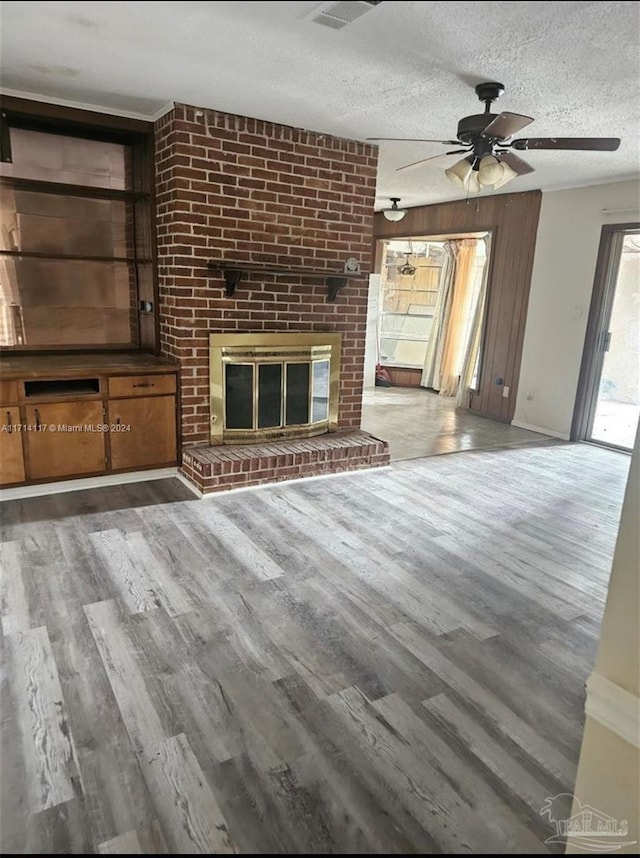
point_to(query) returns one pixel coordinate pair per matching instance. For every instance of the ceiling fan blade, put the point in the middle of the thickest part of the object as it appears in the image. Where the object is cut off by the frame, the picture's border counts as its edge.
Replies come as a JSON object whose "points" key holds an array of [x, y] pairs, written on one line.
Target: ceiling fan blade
{"points": [[414, 140], [506, 125], [517, 164], [417, 164], [596, 144]]}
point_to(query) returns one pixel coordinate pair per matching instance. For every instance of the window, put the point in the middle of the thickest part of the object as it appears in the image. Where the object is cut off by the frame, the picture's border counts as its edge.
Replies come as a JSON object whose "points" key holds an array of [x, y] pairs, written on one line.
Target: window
{"points": [[409, 300], [76, 238]]}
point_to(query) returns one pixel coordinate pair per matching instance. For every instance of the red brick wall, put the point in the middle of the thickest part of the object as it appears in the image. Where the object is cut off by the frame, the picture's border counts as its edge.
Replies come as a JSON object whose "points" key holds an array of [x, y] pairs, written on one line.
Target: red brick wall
{"points": [[243, 189]]}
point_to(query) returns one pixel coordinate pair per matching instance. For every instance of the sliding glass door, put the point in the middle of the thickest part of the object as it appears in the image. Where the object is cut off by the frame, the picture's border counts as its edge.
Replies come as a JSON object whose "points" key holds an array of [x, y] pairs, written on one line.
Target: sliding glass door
{"points": [[612, 390]]}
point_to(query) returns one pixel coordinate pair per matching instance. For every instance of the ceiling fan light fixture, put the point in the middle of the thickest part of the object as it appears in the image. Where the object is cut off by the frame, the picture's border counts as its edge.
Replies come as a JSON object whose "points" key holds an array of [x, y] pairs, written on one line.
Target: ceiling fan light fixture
{"points": [[507, 175], [460, 173], [394, 214], [472, 185], [491, 171], [486, 135]]}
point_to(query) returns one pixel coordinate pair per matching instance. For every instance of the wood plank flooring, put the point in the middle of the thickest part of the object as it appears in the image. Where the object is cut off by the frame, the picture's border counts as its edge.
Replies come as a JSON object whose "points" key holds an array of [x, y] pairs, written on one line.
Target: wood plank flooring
{"points": [[418, 422], [389, 661]]}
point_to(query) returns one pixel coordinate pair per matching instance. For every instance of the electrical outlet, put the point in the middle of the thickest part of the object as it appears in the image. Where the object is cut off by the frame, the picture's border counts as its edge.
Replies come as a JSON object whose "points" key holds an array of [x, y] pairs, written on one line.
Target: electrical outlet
{"points": [[505, 392]]}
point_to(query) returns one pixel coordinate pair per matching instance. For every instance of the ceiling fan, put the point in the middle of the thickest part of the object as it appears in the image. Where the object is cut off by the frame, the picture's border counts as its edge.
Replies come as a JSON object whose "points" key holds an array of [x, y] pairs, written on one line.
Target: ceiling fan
{"points": [[486, 142]]}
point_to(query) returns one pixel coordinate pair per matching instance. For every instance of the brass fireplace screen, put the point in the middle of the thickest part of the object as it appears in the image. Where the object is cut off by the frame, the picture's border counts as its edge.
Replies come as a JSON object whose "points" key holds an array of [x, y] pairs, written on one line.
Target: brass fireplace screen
{"points": [[270, 386]]}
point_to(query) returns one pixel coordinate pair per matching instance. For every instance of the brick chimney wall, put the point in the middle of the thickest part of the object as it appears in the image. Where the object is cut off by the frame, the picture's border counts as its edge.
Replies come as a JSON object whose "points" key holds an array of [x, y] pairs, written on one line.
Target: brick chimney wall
{"points": [[247, 190]]}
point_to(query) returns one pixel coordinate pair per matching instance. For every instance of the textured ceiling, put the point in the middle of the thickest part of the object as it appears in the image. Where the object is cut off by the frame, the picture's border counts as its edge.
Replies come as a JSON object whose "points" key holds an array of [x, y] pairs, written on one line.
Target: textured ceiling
{"points": [[403, 69]]}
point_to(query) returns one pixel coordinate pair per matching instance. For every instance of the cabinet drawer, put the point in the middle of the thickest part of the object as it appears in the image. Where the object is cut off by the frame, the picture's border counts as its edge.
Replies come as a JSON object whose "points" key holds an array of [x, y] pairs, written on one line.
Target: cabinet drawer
{"points": [[8, 391], [141, 385]]}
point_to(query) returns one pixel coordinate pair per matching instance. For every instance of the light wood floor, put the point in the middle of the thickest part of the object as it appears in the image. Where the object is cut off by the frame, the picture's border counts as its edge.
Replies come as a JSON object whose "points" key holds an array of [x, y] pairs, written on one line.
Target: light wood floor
{"points": [[417, 422], [391, 661]]}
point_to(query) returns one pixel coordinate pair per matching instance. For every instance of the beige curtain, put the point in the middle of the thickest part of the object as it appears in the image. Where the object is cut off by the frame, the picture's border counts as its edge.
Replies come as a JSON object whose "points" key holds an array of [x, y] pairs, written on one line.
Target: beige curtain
{"points": [[454, 343], [431, 370], [471, 356]]}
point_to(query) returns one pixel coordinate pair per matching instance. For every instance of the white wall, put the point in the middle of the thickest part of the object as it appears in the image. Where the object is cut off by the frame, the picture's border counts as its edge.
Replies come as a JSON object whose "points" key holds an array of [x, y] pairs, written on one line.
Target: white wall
{"points": [[561, 286], [371, 343], [619, 650], [609, 769]]}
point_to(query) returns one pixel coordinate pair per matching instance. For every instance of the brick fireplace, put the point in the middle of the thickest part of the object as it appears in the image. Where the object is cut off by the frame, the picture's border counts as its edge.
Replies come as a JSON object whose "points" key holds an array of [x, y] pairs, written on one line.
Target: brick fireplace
{"points": [[245, 190], [268, 387]]}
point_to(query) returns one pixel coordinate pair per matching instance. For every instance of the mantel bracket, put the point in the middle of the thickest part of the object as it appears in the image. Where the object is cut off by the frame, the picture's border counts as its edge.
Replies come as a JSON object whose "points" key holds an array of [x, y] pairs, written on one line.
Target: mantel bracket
{"points": [[233, 272], [334, 285], [232, 276]]}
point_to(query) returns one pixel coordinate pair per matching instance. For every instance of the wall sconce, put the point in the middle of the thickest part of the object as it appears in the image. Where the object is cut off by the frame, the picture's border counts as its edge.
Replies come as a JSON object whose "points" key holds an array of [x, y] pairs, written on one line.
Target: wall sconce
{"points": [[394, 214]]}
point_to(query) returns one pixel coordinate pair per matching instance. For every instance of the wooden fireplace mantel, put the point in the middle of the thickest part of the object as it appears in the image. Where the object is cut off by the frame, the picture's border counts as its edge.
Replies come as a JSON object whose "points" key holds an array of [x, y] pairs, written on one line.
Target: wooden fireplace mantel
{"points": [[233, 272]]}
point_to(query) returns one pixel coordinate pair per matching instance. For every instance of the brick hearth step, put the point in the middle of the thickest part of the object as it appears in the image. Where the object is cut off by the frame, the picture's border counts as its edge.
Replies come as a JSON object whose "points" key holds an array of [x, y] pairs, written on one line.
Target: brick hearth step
{"points": [[234, 466]]}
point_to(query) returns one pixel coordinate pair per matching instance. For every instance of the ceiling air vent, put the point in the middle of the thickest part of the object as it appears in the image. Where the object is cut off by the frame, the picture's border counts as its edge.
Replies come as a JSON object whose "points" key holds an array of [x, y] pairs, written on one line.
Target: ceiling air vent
{"points": [[338, 15]]}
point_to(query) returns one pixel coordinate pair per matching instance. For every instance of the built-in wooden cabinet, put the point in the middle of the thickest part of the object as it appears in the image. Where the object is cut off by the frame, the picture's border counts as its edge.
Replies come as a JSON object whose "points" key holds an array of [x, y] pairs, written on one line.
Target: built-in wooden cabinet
{"points": [[11, 453], [69, 416], [67, 440], [143, 431]]}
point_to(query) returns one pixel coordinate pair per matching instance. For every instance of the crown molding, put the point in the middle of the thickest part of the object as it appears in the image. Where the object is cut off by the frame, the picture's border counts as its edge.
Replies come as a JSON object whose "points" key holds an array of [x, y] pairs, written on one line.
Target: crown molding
{"points": [[80, 105]]}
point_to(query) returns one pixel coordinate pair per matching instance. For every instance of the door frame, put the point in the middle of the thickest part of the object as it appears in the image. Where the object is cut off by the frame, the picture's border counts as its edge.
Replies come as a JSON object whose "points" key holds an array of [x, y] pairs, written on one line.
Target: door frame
{"points": [[602, 296], [489, 235]]}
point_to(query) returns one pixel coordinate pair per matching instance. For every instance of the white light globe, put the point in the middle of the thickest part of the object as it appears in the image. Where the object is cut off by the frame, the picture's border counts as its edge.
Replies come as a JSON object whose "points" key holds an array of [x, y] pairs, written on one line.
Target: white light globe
{"points": [[459, 173], [491, 171], [507, 176]]}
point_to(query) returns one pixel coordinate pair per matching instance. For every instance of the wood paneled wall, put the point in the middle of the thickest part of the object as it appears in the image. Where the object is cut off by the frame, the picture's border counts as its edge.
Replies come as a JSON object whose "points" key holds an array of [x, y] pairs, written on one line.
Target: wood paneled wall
{"points": [[512, 220]]}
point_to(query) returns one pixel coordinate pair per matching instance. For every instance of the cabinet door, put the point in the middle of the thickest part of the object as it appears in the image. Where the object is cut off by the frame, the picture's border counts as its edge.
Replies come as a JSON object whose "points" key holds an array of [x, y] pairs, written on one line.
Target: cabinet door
{"points": [[65, 444], [11, 455], [148, 432]]}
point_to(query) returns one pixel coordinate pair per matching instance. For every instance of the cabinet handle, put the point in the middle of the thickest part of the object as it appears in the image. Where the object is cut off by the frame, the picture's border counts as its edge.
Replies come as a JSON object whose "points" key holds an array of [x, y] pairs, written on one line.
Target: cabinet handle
{"points": [[38, 423], [145, 384], [118, 421], [9, 426]]}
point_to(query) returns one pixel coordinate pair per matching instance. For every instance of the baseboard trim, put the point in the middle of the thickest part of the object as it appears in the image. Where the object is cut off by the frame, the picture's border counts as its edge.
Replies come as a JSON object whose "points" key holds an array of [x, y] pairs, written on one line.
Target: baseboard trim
{"points": [[531, 428], [615, 708], [192, 486], [19, 492]]}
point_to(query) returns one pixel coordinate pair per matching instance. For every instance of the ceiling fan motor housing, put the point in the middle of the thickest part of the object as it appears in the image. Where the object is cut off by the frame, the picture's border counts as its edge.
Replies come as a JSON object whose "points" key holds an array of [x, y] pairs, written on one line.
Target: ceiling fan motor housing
{"points": [[471, 127], [489, 91]]}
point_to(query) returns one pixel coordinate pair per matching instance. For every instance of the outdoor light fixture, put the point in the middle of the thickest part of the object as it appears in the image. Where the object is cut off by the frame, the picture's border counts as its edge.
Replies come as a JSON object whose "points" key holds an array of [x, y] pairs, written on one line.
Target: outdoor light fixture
{"points": [[407, 269], [394, 214]]}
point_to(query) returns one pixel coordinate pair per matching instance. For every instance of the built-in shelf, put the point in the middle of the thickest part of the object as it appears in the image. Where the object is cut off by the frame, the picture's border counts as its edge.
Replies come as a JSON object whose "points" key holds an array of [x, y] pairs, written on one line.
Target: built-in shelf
{"points": [[63, 387], [233, 272], [44, 187]]}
